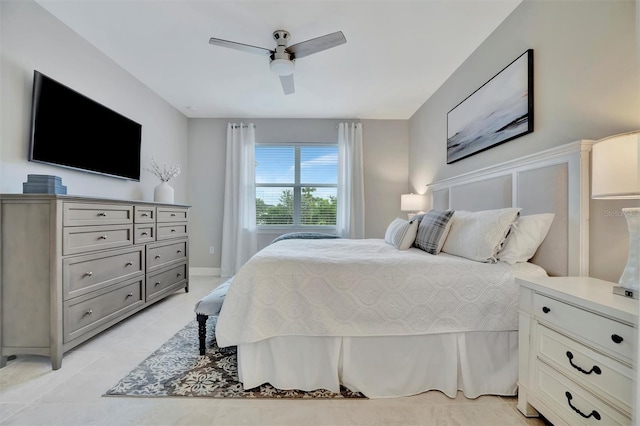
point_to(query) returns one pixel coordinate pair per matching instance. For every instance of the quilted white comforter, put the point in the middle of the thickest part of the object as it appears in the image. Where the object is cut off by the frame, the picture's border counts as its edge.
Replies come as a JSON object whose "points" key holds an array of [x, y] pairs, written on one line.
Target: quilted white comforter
{"points": [[346, 287]]}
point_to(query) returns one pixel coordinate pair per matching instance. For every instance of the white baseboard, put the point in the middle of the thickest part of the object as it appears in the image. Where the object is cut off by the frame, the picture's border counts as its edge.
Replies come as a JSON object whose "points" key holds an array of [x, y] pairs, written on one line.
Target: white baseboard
{"points": [[204, 272]]}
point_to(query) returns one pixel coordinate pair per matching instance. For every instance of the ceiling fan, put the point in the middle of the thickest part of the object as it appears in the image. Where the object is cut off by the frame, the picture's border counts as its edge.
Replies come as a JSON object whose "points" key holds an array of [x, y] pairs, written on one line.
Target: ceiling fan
{"points": [[282, 58]]}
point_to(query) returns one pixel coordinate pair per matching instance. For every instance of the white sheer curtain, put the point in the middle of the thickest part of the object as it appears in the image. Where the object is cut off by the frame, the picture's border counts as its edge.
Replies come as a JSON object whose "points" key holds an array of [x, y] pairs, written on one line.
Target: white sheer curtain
{"points": [[350, 215], [239, 239]]}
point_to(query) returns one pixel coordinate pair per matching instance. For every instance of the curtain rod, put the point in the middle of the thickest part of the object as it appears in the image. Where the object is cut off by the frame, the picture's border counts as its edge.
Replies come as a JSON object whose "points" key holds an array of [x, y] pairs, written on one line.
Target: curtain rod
{"points": [[235, 126]]}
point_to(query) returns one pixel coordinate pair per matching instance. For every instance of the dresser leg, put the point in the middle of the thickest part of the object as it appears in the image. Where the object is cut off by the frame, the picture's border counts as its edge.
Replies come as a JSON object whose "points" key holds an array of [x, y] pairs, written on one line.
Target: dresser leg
{"points": [[3, 361], [524, 407], [202, 331], [56, 360]]}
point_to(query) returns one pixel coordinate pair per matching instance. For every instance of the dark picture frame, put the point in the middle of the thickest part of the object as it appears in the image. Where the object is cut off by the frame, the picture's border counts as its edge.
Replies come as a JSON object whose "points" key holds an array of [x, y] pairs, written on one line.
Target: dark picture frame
{"points": [[497, 112]]}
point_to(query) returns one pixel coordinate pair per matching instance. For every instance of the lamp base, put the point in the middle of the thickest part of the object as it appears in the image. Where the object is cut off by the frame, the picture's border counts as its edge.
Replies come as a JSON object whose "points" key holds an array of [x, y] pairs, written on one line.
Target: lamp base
{"points": [[626, 292], [630, 278]]}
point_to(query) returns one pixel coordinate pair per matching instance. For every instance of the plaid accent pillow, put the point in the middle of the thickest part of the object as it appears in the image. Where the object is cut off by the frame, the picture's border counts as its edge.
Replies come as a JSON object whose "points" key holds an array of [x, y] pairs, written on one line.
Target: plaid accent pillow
{"points": [[433, 230], [401, 233]]}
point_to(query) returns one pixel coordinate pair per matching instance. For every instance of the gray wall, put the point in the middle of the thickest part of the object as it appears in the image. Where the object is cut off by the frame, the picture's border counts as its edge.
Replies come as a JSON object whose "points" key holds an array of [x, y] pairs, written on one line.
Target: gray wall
{"points": [[385, 146], [34, 39], [586, 87]]}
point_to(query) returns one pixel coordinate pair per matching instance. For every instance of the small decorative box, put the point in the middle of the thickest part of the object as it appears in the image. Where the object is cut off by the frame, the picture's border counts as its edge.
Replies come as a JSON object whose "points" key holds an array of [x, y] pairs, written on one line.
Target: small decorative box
{"points": [[43, 184]]}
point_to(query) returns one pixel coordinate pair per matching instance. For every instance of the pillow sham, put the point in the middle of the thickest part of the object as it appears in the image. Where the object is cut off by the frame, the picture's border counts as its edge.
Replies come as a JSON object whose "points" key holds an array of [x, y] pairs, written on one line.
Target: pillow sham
{"points": [[401, 233], [525, 237], [432, 230], [479, 235]]}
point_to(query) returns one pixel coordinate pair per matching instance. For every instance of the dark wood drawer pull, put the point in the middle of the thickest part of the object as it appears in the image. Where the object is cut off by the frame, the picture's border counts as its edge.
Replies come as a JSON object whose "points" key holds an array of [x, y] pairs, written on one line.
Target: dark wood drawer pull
{"points": [[594, 369], [594, 413], [616, 338], [546, 310]]}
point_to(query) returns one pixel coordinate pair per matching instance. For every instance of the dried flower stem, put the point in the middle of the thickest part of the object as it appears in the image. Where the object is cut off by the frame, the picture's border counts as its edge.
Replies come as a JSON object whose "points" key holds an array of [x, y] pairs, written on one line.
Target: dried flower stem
{"points": [[165, 174]]}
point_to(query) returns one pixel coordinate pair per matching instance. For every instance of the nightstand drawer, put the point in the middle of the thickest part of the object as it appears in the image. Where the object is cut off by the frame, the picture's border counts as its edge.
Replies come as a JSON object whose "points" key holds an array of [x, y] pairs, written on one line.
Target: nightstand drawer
{"points": [[85, 214], [608, 378], [84, 274], [574, 404], [613, 336], [83, 239]]}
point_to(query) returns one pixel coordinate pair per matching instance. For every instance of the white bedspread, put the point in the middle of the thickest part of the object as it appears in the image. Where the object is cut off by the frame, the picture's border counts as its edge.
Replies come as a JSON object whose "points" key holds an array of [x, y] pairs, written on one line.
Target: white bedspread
{"points": [[346, 287]]}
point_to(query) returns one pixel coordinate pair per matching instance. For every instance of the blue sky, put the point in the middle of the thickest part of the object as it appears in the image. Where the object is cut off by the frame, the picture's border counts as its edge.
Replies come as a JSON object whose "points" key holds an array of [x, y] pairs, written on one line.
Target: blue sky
{"points": [[276, 164]]}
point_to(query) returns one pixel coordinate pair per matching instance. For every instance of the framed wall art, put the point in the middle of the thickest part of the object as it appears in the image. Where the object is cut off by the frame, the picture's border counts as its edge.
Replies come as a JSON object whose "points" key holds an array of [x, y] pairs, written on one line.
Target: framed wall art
{"points": [[499, 111]]}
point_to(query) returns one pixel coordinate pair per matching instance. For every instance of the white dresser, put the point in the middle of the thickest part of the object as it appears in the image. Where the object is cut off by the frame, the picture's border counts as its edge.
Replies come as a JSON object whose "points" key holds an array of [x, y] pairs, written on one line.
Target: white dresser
{"points": [[577, 351], [72, 267]]}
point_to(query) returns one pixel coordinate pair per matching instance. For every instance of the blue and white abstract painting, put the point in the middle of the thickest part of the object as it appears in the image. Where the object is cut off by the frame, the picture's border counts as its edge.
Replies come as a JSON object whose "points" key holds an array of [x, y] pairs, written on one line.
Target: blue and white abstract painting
{"points": [[500, 110]]}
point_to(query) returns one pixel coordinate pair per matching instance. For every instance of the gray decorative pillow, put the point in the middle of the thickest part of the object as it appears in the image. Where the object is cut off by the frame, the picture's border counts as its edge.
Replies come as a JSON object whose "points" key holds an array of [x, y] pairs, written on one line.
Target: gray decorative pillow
{"points": [[433, 230]]}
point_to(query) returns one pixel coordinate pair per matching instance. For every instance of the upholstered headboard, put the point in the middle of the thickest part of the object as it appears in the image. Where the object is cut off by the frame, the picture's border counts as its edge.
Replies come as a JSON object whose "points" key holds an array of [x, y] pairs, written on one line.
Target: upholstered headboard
{"points": [[551, 181]]}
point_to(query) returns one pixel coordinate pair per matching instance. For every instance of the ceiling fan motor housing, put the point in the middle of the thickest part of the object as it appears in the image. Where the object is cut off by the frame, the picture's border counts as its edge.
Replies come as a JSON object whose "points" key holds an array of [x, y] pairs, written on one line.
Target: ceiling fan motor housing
{"points": [[282, 62]]}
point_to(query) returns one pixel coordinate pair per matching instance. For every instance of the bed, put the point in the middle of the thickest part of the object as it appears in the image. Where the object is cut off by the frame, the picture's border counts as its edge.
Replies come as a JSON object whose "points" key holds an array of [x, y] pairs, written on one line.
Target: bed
{"points": [[311, 314]]}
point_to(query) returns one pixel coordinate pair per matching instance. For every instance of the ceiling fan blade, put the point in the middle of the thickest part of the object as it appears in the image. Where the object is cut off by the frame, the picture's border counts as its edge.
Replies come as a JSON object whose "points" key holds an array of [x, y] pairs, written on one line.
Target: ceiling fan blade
{"points": [[287, 84], [318, 44], [240, 46]]}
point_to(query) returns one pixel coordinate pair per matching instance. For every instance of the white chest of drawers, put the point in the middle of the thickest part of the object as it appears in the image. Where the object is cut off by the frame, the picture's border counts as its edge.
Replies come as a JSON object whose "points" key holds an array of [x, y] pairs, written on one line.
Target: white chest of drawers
{"points": [[577, 351], [72, 267]]}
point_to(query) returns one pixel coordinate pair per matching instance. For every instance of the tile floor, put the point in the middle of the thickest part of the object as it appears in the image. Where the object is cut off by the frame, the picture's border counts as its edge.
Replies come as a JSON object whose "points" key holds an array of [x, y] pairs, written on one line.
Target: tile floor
{"points": [[33, 394]]}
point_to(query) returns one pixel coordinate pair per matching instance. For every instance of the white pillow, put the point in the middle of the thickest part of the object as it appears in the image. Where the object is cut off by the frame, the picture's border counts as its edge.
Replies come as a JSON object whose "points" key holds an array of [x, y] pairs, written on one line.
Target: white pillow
{"points": [[401, 233], [479, 235], [525, 237]]}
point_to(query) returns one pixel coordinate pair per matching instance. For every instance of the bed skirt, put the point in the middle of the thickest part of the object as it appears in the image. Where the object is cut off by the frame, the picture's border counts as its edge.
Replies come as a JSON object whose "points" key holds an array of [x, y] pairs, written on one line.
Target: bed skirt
{"points": [[477, 363]]}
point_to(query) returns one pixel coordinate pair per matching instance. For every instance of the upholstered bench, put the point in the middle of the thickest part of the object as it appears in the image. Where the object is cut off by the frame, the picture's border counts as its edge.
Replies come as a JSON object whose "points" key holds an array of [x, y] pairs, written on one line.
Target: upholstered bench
{"points": [[208, 306]]}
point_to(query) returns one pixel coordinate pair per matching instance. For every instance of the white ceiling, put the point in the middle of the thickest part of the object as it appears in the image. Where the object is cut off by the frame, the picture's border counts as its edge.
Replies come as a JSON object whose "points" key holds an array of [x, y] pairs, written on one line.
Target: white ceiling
{"points": [[397, 53]]}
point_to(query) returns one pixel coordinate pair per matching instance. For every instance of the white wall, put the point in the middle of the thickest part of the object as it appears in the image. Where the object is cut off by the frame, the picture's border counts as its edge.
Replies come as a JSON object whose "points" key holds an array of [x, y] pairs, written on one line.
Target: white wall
{"points": [[385, 146], [586, 86], [31, 38]]}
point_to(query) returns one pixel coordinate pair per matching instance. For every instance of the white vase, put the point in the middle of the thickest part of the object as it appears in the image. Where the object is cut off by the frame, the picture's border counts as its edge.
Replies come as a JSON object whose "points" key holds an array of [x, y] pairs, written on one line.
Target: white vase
{"points": [[163, 193]]}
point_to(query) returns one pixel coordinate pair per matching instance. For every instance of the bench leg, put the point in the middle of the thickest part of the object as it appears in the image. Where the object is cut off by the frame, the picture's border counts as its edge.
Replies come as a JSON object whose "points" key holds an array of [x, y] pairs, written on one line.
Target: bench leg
{"points": [[202, 331]]}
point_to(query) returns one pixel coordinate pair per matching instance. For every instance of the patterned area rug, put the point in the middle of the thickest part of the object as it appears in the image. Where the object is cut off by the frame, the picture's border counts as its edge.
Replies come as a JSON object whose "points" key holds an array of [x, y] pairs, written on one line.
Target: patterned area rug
{"points": [[177, 369]]}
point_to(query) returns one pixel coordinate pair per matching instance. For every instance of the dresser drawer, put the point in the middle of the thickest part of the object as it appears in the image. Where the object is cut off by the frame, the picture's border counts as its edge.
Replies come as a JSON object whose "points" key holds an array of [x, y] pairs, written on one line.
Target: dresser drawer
{"points": [[166, 231], [608, 378], [144, 214], [82, 239], [166, 281], [84, 274], [160, 255], [572, 402], [144, 233], [86, 313], [613, 336], [167, 214], [85, 214]]}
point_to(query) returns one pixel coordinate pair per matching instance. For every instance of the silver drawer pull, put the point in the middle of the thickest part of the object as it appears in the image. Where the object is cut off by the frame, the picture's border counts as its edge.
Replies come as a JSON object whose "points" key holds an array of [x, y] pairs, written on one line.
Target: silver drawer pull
{"points": [[129, 264], [129, 295], [144, 215], [88, 273], [103, 214], [173, 230], [173, 214], [157, 283], [179, 274], [144, 234], [103, 237], [179, 251], [158, 256], [89, 312]]}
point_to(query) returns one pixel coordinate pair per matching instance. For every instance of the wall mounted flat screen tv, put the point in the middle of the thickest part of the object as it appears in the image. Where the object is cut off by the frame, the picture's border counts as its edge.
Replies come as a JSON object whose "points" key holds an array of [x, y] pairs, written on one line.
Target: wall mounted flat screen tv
{"points": [[70, 130]]}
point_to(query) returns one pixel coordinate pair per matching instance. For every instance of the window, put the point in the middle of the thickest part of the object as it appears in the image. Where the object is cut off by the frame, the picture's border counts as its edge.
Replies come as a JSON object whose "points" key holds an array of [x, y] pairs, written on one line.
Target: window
{"points": [[296, 184]]}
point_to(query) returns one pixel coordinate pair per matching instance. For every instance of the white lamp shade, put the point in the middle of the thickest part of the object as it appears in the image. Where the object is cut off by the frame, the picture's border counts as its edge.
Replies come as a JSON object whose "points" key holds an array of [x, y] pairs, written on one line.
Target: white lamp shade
{"points": [[615, 171], [411, 202]]}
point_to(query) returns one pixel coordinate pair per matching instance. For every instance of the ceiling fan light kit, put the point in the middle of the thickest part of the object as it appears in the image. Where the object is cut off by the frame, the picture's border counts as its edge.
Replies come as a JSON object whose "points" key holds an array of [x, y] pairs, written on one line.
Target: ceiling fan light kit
{"points": [[282, 58]]}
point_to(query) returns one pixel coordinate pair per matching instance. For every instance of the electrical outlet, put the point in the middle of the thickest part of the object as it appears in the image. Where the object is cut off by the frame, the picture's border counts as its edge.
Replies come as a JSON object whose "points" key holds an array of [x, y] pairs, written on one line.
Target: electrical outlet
{"points": [[212, 250]]}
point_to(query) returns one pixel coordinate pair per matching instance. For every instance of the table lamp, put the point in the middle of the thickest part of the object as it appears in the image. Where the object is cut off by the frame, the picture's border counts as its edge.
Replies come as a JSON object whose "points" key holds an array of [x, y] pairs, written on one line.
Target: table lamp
{"points": [[616, 175], [412, 203]]}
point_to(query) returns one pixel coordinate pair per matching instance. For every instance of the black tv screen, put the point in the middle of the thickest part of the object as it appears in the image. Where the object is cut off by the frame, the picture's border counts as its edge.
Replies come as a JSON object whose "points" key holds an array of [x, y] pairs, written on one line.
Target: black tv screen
{"points": [[70, 130]]}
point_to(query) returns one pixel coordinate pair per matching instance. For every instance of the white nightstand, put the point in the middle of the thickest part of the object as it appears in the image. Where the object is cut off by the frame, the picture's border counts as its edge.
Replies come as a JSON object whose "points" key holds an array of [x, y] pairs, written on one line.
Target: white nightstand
{"points": [[577, 350]]}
